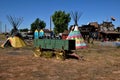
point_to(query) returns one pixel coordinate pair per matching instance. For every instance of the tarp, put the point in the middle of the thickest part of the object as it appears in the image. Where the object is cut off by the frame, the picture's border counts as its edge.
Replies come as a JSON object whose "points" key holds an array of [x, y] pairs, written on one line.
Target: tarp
{"points": [[109, 43]]}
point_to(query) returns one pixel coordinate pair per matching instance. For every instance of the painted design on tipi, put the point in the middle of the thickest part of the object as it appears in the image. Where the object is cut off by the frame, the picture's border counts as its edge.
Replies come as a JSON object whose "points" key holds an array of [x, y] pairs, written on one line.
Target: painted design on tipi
{"points": [[76, 35]]}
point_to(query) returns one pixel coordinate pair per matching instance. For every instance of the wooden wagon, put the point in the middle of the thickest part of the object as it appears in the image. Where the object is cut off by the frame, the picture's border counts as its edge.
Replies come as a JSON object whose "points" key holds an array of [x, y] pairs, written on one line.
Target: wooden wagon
{"points": [[58, 46]]}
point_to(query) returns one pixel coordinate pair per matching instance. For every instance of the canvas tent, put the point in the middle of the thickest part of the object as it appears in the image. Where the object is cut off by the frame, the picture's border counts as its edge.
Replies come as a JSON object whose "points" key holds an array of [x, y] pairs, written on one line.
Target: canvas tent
{"points": [[15, 42], [76, 35]]}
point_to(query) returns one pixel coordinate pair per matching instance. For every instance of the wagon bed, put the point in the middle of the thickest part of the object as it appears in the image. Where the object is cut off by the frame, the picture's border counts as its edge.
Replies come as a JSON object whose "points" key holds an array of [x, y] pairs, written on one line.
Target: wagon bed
{"points": [[55, 44]]}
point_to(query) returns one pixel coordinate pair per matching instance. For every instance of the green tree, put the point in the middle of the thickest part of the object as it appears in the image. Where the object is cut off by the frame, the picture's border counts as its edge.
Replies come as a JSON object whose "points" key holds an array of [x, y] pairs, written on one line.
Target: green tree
{"points": [[118, 29], [24, 30], [60, 20], [38, 24]]}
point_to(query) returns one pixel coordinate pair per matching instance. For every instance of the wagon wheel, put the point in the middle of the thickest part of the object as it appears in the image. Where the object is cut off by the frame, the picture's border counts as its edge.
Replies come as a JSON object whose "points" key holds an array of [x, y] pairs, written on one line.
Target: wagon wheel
{"points": [[37, 52], [61, 54]]}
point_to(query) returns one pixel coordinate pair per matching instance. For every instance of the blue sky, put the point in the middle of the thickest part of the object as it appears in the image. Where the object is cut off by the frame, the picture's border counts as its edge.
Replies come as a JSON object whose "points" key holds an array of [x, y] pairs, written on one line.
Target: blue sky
{"points": [[93, 10]]}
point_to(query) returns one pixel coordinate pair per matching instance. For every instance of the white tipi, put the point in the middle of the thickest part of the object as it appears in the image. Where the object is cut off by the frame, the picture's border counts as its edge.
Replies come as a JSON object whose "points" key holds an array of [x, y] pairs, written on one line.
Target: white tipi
{"points": [[76, 35]]}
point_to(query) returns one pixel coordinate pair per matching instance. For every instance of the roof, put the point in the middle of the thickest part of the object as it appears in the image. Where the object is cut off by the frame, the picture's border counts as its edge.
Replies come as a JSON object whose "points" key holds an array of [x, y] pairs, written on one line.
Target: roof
{"points": [[66, 32], [95, 24], [110, 32], [47, 31]]}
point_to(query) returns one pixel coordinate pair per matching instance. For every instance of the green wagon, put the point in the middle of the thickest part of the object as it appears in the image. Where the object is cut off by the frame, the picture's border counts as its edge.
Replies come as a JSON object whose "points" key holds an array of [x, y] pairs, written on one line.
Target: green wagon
{"points": [[60, 45]]}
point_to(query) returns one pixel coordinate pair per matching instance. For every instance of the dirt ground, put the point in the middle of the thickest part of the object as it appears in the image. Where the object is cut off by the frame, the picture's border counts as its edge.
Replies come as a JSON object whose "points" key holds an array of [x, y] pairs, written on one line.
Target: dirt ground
{"points": [[98, 63]]}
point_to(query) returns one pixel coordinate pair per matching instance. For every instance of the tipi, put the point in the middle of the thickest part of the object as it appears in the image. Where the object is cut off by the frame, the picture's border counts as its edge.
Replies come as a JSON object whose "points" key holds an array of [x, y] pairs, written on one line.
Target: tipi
{"points": [[15, 40], [76, 35]]}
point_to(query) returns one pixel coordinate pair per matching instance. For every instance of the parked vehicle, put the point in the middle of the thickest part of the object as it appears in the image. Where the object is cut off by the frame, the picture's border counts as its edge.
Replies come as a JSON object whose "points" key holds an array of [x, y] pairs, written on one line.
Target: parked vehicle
{"points": [[30, 35], [26, 35]]}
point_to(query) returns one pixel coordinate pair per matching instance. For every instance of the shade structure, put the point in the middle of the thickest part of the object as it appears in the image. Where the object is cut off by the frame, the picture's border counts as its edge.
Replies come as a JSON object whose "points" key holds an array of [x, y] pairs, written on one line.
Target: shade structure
{"points": [[76, 35]]}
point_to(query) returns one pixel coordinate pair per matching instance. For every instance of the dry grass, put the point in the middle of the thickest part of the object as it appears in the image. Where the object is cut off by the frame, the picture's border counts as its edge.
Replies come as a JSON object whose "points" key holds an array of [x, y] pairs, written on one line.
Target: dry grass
{"points": [[100, 63]]}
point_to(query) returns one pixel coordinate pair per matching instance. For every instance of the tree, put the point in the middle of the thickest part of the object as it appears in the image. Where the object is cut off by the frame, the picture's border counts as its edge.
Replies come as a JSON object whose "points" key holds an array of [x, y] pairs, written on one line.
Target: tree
{"points": [[118, 29], [38, 24], [60, 20], [24, 30], [76, 16]]}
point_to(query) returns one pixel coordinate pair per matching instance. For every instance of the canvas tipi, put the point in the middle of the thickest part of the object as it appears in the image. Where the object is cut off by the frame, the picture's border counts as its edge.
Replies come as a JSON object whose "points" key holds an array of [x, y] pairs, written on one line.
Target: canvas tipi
{"points": [[76, 35], [15, 40]]}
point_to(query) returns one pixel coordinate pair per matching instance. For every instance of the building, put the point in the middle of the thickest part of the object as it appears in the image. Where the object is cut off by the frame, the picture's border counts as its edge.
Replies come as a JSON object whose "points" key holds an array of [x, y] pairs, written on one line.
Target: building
{"points": [[107, 31], [97, 31], [89, 30]]}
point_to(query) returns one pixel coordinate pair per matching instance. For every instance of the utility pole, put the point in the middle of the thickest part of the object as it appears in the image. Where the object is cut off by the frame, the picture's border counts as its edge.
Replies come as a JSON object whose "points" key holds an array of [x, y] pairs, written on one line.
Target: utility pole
{"points": [[5, 28], [0, 27], [50, 23]]}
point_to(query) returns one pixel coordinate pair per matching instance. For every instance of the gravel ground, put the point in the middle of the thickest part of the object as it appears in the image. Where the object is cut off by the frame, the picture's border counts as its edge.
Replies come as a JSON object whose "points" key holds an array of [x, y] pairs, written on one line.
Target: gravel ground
{"points": [[99, 63]]}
